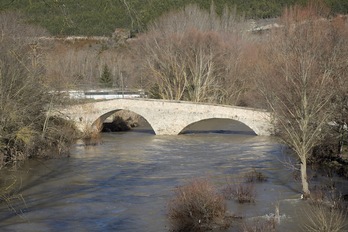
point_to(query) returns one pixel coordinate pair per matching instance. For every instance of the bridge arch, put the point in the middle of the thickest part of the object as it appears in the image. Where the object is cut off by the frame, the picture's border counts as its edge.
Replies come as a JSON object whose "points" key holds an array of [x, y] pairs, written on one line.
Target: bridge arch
{"points": [[100, 120], [218, 125]]}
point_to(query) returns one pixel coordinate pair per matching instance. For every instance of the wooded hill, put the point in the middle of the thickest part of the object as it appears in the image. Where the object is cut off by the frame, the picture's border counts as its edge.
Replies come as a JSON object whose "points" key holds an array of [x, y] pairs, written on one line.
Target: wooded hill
{"points": [[91, 17]]}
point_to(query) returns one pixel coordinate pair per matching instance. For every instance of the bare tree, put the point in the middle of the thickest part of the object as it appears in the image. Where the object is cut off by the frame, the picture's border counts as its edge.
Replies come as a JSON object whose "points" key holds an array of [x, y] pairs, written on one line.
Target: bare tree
{"points": [[164, 64], [204, 52], [25, 129], [340, 67], [298, 68], [186, 54], [79, 64]]}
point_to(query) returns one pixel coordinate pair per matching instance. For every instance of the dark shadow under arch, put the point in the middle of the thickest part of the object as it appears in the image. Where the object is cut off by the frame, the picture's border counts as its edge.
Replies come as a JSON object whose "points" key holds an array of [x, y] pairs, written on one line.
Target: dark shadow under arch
{"points": [[142, 125], [218, 125]]}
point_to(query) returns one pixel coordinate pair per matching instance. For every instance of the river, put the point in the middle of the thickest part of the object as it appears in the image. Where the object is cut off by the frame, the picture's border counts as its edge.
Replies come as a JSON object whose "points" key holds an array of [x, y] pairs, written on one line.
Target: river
{"points": [[125, 183]]}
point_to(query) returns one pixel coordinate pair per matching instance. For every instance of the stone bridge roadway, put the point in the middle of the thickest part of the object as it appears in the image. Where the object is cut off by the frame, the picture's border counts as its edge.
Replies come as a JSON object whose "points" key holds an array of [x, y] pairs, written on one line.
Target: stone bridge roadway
{"points": [[166, 117]]}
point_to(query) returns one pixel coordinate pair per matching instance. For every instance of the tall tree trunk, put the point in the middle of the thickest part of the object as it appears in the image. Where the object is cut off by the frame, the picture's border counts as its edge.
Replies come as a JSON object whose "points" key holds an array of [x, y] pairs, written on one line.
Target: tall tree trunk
{"points": [[304, 179]]}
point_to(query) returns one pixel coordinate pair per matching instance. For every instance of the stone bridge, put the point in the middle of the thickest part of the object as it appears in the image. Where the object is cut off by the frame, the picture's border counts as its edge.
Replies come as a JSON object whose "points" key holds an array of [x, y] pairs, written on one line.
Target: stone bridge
{"points": [[166, 117]]}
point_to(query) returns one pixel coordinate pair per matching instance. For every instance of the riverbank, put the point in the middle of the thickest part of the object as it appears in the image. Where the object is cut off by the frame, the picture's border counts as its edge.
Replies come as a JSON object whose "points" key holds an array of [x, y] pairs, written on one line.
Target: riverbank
{"points": [[327, 159]]}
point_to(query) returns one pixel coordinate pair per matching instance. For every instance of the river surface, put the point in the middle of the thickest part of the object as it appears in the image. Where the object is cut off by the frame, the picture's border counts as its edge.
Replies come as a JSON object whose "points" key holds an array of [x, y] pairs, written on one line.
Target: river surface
{"points": [[125, 183]]}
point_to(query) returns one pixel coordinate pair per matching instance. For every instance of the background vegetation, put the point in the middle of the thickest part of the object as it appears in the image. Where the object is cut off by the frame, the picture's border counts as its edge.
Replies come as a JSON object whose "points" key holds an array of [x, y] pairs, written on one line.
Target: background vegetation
{"points": [[25, 129], [201, 53], [193, 53], [90, 17], [308, 59]]}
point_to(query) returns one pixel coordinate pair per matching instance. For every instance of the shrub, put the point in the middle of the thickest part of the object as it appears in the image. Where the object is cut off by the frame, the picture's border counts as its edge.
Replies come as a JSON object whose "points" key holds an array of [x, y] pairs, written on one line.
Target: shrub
{"points": [[56, 139], [242, 192], [327, 195], [197, 206], [317, 195], [326, 211], [259, 225], [323, 218], [255, 176], [26, 131], [91, 136]]}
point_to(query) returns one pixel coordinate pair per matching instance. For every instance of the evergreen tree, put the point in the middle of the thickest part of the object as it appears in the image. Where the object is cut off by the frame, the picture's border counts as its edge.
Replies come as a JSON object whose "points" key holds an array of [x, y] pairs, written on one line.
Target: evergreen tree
{"points": [[106, 78]]}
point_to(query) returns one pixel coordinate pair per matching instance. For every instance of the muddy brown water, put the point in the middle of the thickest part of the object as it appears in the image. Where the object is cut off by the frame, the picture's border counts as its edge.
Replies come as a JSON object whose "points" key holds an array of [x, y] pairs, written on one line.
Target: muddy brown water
{"points": [[125, 183]]}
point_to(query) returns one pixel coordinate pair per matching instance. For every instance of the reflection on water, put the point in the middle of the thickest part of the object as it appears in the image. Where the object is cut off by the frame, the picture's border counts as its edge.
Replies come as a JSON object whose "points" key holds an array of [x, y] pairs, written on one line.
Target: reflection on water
{"points": [[124, 183], [221, 126]]}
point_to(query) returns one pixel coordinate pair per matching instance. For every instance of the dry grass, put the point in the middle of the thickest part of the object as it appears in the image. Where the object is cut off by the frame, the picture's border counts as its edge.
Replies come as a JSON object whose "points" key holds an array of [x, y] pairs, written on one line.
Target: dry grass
{"points": [[9, 195], [241, 192], [259, 225], [197, 206], [91, 135], [323, 218]]}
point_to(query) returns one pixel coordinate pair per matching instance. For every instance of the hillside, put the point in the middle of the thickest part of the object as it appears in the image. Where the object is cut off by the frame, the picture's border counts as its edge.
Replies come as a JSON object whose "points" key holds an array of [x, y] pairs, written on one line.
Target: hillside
{"points": [[90, 17]]}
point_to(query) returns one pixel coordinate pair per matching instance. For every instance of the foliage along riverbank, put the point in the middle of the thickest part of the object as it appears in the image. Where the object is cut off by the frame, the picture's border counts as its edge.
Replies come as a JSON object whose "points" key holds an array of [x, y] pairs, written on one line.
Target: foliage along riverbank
{"points": [[213, 58], [326, 158], [25, 129]]}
